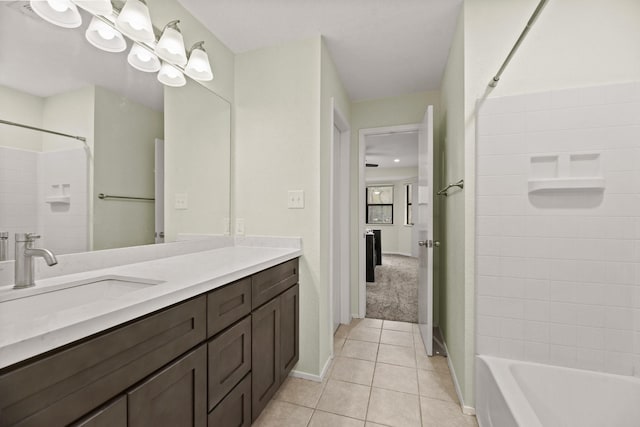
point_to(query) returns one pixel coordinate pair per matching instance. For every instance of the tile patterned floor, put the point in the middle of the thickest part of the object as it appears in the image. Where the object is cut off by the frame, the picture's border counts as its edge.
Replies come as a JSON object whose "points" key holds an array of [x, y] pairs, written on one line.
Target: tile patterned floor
{"points": [[380, 376]]}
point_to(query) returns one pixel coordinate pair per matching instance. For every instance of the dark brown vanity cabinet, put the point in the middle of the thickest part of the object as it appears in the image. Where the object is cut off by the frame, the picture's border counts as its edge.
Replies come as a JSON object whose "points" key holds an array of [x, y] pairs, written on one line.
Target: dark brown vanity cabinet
{"points": [[275, 351], [202, 362]]}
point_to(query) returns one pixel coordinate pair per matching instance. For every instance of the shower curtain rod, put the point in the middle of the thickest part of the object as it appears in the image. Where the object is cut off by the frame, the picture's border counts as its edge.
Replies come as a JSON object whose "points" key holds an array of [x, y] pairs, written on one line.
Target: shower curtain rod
{"points": [[494, 81], [79, 138]]}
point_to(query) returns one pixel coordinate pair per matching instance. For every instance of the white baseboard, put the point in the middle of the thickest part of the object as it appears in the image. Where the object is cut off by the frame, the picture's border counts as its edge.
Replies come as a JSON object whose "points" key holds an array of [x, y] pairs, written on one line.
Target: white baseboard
{"points": [[467, 410], [312, 377], [396, 253]]}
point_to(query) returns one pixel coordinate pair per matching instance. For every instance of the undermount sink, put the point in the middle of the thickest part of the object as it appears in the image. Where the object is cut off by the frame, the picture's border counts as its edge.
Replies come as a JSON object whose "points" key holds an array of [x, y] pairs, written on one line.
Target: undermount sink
{"points": [[36, 301]]}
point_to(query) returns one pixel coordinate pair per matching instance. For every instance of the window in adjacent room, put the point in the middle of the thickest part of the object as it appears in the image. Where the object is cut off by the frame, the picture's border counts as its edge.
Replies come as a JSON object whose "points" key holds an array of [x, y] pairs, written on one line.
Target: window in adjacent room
{"points": [[408, 211], [380, 204]]}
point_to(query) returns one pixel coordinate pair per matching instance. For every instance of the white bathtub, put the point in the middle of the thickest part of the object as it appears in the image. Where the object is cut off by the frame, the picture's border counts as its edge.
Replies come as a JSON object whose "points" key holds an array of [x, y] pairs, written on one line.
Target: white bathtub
{"points": [[512, 393]]}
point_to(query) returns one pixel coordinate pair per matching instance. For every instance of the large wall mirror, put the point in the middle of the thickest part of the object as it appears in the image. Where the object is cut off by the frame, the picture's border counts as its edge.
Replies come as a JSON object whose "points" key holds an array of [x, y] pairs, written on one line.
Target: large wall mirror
{"points": [[155, 153]]}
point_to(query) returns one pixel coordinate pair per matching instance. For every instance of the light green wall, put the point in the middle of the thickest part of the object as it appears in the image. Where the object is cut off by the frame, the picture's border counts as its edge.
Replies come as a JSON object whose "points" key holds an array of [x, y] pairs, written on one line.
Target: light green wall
{"points": [[277, 148], [400, 110], [124, 135], [22, 108], [453, 298]]}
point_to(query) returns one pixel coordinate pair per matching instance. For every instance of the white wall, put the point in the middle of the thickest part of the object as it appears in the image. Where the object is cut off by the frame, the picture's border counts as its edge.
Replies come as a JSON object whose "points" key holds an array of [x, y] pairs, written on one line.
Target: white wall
{"points": [[557, 270], [124, 135], [574, 43]]}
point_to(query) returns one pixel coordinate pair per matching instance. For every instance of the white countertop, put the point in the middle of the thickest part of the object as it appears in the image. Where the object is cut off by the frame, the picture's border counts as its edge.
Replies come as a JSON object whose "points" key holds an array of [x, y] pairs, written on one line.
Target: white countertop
{"points": [[184, 276]]}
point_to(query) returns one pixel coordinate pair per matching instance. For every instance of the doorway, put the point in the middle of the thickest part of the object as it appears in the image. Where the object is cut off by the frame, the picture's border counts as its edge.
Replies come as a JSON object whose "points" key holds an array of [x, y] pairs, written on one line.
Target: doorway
{"points": [[339, 244]]}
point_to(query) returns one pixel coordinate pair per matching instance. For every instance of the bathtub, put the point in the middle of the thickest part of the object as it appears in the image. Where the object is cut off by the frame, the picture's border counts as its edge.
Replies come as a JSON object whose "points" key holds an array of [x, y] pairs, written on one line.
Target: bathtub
{"points": [[512, 393]]}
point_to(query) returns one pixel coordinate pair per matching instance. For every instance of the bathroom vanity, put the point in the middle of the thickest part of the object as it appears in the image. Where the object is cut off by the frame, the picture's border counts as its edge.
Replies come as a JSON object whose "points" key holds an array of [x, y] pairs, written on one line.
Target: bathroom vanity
{"points": [[207, 352]]}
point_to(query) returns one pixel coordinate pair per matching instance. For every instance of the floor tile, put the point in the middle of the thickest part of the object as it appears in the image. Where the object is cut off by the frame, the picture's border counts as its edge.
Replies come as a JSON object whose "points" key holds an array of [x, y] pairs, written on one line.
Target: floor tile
{"points": [[437, 385], [397, 378], [360, 350], [342, 332], [433, 363], [326, 419], [438, 413], [344, 398], [353, 370], [365, 334], [396, 355], [337, 345], [397, 326], [420, 350], [404, 339], [370, 424], [300, 392], [370, 323], [394, 408], [278, 414]]}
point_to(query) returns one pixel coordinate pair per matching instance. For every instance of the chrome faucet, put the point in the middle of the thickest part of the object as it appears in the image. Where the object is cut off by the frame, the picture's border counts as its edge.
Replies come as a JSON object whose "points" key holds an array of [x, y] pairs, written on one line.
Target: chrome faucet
{"points": [[4, 245], [24, 259]]}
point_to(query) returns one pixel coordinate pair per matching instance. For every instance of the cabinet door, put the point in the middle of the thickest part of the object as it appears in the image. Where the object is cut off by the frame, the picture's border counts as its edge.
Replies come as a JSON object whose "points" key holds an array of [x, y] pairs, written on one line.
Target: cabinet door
{"points": [[289, 330], [265, 355], [112, 415], [175, 396], [229, 359]]}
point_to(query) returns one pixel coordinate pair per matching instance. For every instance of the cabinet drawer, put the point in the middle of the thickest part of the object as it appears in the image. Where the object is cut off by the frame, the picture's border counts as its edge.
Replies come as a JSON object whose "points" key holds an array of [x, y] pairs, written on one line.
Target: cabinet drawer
{"points": [[112, 415], [235, 409], [60, 388], [228, 304], [269, 283], [229, 359], [175, 396]]}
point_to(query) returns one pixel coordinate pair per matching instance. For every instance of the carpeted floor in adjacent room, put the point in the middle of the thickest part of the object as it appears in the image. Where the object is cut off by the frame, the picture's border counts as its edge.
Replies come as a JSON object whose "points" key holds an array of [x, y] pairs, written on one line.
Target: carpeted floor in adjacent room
{"points": [[394, 294]]}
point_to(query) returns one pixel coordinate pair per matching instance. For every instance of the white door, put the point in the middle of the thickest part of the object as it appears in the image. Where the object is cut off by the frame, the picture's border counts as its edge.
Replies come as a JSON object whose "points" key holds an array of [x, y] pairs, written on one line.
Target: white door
{"points": [[425, 230], [159, 190], [336, 229]]}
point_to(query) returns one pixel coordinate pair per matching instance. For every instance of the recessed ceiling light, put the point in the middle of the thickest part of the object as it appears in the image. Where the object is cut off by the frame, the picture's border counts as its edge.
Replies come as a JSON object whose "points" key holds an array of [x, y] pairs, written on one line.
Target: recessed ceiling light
{"points": [[396, 160]]}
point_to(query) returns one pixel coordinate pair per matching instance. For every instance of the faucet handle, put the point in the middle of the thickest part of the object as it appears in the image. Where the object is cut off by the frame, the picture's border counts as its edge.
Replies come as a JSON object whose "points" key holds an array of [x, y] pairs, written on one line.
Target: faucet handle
{"points": [[26, 237]]}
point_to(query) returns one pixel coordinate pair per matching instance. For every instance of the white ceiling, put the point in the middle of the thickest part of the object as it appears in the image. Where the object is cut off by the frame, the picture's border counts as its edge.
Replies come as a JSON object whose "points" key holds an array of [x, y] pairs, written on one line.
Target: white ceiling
{"points": [[384, 149], [381, 48], [42, 59]]}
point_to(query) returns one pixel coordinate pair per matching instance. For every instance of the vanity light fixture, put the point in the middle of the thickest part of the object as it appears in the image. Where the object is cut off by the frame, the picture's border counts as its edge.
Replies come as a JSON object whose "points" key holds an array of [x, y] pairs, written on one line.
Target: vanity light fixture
{"points": [[142, 59], [62, 13], [134, 21], [103, 36], [171, 76], [198, 67], [96, 7], [170, 47]]}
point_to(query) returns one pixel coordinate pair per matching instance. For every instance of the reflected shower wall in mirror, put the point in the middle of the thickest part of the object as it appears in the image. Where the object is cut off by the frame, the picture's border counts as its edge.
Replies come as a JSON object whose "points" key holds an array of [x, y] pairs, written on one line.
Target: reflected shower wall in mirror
{"points": [[52, 78]]}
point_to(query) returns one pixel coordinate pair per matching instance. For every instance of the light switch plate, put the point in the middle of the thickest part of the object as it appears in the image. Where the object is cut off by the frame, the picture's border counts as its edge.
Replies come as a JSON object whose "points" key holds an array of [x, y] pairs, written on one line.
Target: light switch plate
{"points": [[295, 199], [181, 201], [239, 227]]}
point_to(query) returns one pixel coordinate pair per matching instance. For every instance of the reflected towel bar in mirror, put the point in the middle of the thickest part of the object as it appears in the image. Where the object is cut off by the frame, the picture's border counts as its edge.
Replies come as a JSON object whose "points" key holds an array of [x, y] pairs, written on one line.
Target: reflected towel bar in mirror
{"points": [[103, 196], [443, 192]]}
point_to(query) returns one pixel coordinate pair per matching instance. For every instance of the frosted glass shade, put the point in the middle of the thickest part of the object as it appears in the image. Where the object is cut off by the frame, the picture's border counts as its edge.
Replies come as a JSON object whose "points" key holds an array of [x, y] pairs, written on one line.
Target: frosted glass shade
{"points": [[134, 21], [104, 37], [62, 13], [96, 7], [171, 76], [170, 47], [143, 60], [198, 67]]}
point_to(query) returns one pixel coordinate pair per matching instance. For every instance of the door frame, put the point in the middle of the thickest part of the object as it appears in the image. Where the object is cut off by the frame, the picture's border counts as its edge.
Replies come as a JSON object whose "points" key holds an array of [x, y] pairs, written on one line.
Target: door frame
{"points": [[362, 136], [341, 175]]}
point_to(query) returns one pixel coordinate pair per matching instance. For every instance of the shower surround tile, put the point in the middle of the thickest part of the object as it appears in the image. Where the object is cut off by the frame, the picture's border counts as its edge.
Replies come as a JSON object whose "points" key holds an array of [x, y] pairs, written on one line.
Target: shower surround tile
{"points": [[558, 272]]}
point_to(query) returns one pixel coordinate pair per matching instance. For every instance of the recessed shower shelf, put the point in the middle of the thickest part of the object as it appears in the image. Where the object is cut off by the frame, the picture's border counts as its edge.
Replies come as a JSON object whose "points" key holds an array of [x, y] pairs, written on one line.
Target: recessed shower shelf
{"points": [[63, 200], [581, 183]]}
